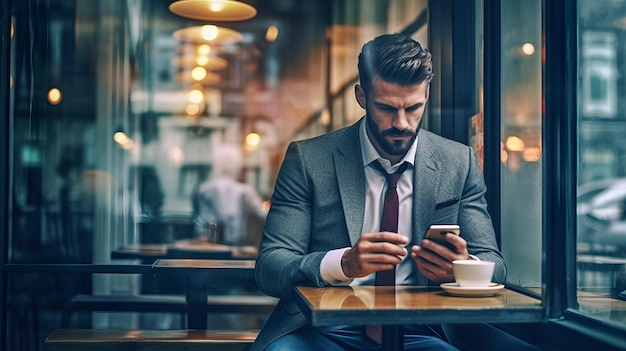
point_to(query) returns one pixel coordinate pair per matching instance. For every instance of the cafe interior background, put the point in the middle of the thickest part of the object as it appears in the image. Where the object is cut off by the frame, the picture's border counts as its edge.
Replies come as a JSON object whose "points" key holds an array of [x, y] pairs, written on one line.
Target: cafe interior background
{"points": [[114, 111]]}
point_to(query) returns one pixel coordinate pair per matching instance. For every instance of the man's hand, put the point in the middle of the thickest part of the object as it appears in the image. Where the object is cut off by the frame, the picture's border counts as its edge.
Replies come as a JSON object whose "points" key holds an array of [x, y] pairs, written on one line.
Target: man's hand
{"points": [[374, 252], [435, 260]]}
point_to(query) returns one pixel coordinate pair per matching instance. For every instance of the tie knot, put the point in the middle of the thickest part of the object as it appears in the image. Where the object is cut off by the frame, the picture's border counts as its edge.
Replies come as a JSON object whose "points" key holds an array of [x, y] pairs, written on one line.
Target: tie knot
{"points": [[392, 178]]}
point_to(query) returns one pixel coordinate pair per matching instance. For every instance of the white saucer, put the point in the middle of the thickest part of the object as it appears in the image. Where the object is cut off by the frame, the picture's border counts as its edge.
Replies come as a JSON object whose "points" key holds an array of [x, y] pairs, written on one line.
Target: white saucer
{"points": [[455, 290]]}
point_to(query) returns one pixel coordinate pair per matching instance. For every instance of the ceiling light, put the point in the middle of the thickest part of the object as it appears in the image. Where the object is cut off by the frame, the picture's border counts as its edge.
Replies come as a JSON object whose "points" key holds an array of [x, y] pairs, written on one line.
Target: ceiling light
{"points": [[210, 63], [208, 34], [528, 49], [202, 60], [271, 34], [186, 77], [192, 109], [198, 73], [55, 96], [253, 139], [195, 96], [531, 154], [204, 49], [123, 140], [515, 143], [213, 10]]}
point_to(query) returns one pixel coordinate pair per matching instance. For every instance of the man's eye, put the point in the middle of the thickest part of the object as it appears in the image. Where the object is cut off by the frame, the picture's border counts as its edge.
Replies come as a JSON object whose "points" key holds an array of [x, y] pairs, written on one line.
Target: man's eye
{"points": [[413, 108]]}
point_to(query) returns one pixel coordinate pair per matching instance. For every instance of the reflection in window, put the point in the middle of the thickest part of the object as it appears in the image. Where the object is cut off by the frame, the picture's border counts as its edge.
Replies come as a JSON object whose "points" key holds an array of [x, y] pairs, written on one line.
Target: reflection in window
{"points": [[599, 74], [521, 141], [601, 195], [110, 138]]}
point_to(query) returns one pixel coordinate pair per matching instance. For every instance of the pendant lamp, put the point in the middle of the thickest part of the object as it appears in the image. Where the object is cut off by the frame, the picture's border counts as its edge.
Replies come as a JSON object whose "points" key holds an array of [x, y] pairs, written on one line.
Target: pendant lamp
{"points": [[213, 10]]}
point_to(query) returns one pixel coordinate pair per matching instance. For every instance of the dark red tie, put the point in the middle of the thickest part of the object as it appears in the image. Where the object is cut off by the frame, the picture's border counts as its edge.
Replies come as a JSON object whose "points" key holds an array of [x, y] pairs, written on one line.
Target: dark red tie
{"points": [[389, 221]]}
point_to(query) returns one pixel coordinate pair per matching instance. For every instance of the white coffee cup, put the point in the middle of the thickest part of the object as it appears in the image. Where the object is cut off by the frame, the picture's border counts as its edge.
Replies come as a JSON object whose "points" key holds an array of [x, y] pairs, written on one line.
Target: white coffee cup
{"points": [[472, 273]]}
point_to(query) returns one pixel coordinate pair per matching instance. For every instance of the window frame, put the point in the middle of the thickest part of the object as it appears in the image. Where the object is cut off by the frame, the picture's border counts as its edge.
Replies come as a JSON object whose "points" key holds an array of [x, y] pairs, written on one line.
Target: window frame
{"points": [[5, 186], [560, 71]]}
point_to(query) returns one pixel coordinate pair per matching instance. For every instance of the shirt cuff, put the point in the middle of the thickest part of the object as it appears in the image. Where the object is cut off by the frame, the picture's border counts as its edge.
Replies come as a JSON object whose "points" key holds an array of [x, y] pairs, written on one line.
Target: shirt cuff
{"points": [[330, 268]]}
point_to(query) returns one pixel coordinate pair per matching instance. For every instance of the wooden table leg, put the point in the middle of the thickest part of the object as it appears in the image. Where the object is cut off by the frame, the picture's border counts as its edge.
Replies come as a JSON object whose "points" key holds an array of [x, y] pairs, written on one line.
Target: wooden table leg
{"points": [[197, 293], [392, 338]]}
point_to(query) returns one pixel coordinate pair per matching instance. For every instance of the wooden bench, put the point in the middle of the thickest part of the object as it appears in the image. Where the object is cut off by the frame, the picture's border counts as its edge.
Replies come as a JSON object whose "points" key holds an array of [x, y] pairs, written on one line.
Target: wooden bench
{"points": [[252, 304], [148, 340]]}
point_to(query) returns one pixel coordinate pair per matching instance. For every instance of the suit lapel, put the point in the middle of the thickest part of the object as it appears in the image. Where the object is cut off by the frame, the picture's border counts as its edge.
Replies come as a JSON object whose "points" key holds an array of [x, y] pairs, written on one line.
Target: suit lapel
{"points": [[351, 179], [426, 177]]}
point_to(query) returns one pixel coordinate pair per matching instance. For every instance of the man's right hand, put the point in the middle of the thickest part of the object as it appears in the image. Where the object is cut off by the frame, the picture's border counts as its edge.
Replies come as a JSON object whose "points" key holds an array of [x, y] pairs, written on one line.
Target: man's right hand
{"points": [[374, 252]]}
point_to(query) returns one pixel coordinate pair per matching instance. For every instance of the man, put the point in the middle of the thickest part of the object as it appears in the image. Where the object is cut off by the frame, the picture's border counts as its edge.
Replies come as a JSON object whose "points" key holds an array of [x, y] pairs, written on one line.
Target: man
{"points": [[324, 225]]}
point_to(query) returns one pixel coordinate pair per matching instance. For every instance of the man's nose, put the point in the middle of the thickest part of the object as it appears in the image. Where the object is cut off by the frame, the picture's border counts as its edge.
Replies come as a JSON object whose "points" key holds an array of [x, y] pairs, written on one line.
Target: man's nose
{"points": [[400, 121]]}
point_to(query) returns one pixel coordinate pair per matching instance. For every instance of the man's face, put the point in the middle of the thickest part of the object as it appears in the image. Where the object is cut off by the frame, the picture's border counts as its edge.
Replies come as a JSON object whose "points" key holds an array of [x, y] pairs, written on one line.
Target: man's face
{"points": [[394, 113]]}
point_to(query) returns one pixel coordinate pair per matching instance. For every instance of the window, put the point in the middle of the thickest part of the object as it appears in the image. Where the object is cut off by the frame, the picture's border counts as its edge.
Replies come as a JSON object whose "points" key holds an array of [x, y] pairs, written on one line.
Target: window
{"points": [[599, 74], [520, 140], [601, 190]]}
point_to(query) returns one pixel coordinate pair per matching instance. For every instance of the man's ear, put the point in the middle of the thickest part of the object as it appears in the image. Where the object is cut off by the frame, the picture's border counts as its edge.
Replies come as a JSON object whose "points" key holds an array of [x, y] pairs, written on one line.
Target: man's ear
{"points": [[360, 95]]}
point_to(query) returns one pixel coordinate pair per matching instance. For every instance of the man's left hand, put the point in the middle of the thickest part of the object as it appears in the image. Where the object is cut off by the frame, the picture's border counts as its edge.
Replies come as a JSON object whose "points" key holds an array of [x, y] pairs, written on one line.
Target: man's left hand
{"points": [[435, 260]]}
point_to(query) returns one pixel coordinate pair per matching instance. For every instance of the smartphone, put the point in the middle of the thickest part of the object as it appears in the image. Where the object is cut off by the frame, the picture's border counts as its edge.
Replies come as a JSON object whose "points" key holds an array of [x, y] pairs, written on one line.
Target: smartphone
{"points": [[437, 232]]}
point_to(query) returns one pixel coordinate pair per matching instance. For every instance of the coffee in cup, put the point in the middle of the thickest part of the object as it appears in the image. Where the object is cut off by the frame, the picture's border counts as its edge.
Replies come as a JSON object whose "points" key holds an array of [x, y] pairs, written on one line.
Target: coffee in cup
{"points": [[473, 273]]}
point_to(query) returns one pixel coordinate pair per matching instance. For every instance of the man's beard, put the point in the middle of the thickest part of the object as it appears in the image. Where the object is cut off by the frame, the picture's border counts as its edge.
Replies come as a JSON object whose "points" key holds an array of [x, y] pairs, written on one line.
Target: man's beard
{"points": [[396, 147]]}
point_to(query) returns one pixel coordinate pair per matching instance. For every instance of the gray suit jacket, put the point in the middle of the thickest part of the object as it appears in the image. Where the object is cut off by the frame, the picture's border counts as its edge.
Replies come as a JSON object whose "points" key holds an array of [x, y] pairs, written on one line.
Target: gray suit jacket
{"points": [[318, 205]]}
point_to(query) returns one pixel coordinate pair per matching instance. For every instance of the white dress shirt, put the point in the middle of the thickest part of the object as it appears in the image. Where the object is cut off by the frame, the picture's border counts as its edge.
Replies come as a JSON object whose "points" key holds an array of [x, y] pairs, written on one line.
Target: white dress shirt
{"points": [[376, 186]]}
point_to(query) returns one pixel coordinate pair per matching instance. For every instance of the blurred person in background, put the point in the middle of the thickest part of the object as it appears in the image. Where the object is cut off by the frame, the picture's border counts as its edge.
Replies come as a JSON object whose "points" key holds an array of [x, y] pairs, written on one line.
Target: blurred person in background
{"points": [[235, 207]]}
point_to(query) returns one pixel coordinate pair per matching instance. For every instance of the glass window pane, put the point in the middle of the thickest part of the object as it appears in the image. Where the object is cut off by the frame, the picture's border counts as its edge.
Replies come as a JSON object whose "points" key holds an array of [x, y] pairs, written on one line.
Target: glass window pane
{"points": [[521, 141], [113, 129], [601, 197]]}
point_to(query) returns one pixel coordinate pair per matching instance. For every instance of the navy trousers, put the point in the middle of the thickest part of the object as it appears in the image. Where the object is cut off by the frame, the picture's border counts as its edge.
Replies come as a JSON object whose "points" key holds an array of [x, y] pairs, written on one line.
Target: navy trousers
{"points": [[353, 338]]}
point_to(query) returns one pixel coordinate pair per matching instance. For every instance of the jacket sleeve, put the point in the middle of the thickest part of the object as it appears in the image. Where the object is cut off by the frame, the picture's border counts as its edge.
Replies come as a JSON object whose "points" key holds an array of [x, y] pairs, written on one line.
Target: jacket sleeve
{"points": [[284, 259]]}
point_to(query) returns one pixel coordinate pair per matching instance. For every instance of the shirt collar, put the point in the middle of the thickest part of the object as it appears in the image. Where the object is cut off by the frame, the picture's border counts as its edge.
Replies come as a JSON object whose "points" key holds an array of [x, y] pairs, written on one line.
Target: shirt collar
{"points": [[370, 154]]}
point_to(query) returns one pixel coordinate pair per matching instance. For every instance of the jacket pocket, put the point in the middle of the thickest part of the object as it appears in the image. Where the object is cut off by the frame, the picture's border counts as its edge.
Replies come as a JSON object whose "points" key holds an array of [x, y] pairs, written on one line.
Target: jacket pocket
{"points": [[446, 203]]}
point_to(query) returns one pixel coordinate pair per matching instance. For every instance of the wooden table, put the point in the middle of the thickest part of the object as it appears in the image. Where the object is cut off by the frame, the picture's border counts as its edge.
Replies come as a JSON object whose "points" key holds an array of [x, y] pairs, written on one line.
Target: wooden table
{"points": [[195, 249], [200, 274], [393, 307]]}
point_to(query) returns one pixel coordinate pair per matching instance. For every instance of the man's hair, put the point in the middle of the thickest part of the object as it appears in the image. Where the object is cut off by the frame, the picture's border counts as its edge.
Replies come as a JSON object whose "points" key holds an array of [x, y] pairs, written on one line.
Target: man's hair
{"points": [[395, 58]]}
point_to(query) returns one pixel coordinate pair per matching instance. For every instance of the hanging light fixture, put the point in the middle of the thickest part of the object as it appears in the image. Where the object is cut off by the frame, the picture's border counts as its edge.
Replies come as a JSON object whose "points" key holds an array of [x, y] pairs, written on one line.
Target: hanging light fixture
{"points": [[209, 78], [210, 63], [213, 10], [208, 34]]}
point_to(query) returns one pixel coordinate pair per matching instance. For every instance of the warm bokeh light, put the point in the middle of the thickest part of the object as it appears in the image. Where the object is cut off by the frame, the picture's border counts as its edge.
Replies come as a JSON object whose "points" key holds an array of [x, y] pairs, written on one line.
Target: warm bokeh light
{"points": [[253, 139], [209, 32], [271, 34], [123, 140], [202, 60], [196, 96], [120, 137], [198, 73], [216, 5], [531, 154], [204, 49], [55, 96], [528, 49], [504, 156], [514, 143], [325, 118], [192, 109]]}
